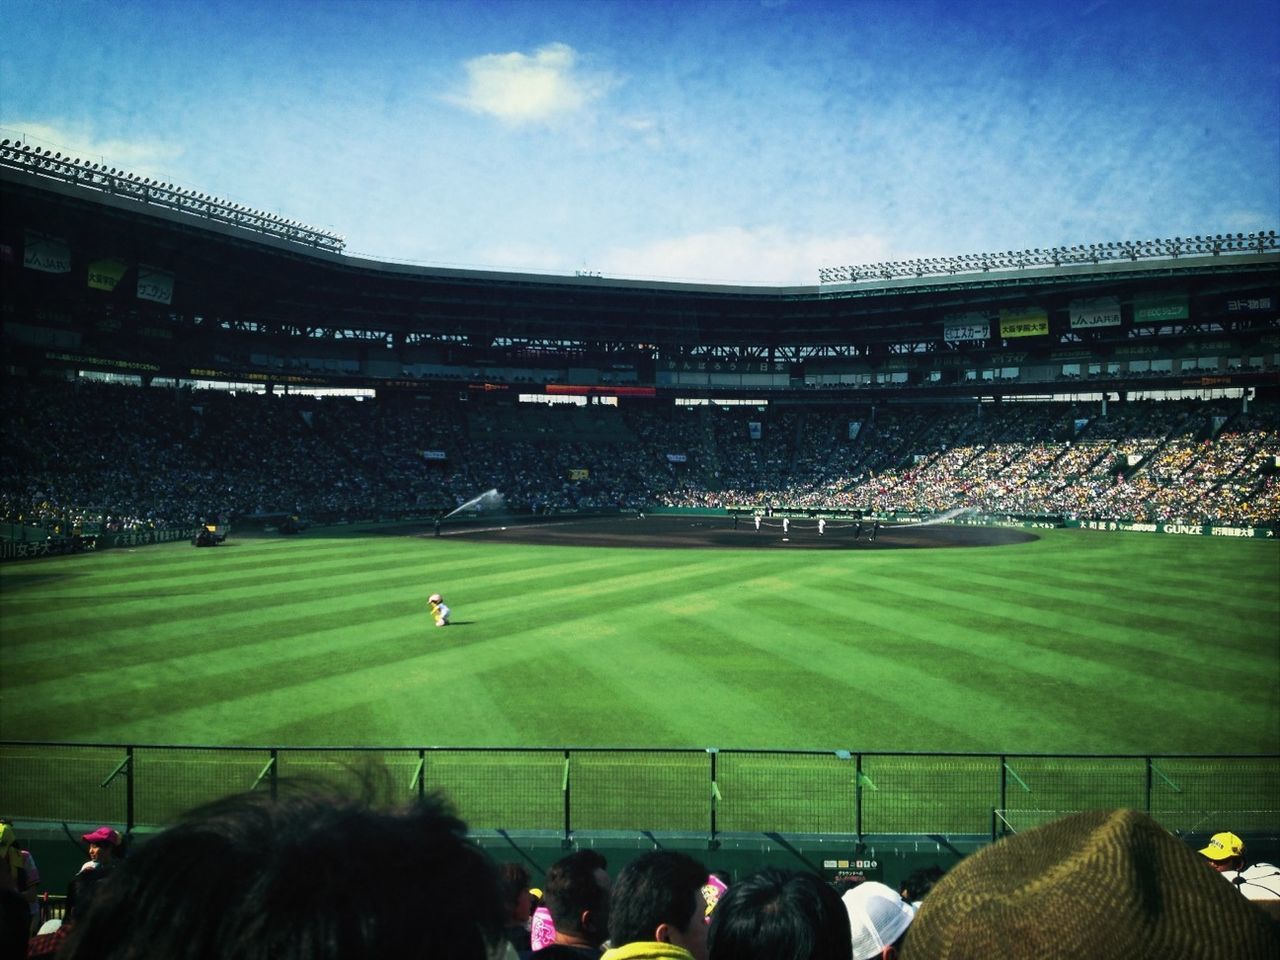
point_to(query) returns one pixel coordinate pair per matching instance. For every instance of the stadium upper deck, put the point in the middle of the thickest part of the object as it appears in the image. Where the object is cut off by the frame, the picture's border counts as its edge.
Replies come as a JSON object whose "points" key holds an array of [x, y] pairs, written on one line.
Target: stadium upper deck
{"points": [[105, 271]]}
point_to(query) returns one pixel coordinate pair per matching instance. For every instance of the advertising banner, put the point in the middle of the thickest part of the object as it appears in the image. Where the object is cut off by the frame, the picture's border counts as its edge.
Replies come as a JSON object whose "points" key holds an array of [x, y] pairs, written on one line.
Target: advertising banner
{"points": [[1160, 307], [1088, 313], [106, 274], [754, 429], [965, 326], [725, 366], [1250, 304], [154, 284], [676, 458], [46, 254], [579, 473], [433, 455], [1027, 322]]}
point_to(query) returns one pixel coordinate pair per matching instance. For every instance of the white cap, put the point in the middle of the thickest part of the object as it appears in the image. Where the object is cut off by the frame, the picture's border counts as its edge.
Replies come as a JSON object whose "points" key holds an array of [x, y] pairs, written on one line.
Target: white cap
{"points": [[878, 916]]}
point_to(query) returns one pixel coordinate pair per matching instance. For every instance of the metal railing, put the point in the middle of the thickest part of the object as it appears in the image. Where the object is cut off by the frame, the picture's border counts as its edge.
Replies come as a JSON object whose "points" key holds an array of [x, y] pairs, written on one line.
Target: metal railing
{"points": [[119, 183], [696, 792], [1210, 245]]}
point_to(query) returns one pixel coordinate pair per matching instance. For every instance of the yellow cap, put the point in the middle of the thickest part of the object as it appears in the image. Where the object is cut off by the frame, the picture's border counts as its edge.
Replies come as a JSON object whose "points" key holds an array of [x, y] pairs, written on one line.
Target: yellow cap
{"points": [[1223, 846]]}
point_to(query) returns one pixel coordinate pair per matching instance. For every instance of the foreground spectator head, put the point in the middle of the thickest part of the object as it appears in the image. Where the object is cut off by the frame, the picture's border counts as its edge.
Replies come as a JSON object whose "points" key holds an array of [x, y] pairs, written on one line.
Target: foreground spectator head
{"points": [[311, 875], [779, 915], [878, 920], [1103, 884], [918, 883], [1224, 851], [657, 898], [517, 904], [577, 897]]}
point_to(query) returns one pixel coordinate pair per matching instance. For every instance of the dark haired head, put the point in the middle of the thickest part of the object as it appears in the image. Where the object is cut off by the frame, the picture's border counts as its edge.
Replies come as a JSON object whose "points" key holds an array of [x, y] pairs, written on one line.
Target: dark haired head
{"points": [[515, 882], [80, 890], [577, 896], [662, 888], [307, 877], [920, 882], [780, 915]]}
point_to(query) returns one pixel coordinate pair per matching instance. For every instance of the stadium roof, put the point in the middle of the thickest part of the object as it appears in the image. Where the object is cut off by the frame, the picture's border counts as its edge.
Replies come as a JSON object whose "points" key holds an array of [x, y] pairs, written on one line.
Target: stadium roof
{"points": [[240, 277]]}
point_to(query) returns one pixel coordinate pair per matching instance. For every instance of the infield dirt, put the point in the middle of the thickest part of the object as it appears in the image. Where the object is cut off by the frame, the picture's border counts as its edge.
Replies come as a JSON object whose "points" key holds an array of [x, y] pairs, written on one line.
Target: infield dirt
{"points": [[719, 532]]}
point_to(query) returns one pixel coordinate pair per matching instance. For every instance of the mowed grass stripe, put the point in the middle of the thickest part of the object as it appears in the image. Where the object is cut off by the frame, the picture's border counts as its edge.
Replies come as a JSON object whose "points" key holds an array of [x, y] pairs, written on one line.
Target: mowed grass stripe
{"points": [[1149, 643], [267, 609], [571, 646], [1109, 661], [344, 671], [264, 664], [848, 682], [974, 675]]}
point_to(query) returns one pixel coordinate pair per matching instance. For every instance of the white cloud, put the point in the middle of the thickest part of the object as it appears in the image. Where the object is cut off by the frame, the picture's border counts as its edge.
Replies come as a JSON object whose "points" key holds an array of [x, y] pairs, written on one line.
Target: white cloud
{"points": [[144, 157], [518, 88], [765, 255]]}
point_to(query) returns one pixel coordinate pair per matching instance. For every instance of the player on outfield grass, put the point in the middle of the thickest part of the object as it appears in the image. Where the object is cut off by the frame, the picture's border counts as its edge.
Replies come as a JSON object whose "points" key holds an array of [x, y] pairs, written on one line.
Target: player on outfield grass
{"points": [[439, 610]]}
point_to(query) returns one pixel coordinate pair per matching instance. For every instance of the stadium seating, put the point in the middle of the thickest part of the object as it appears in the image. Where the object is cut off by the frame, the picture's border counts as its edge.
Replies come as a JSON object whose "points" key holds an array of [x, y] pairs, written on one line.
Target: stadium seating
{"points": [[127, 457]]}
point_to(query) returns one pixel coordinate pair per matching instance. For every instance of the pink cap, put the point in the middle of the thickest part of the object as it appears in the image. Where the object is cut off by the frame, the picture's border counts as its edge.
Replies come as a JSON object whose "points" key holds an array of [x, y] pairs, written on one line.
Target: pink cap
{"points": [[103, 835]]}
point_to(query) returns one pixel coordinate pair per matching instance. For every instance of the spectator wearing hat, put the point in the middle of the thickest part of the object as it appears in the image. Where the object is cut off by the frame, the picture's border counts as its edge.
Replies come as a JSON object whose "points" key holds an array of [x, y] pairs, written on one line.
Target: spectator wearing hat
{"points": [[1102, 884], [878, 920], [10, 855], [104, 849], [779, 915], [26, 875], [577, 897], [1224, 851], [1259, 881], [657, 910]]}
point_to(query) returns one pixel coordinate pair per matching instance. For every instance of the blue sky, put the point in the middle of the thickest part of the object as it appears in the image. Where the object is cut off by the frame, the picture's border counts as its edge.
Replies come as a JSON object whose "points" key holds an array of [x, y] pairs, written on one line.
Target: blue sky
{"points": [[746, 142]]}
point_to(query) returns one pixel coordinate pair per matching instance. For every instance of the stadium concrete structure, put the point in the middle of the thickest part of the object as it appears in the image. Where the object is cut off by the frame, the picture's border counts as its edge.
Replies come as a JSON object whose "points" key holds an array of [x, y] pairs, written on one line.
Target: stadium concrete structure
{"points": [[109, 272], [106, 273]]}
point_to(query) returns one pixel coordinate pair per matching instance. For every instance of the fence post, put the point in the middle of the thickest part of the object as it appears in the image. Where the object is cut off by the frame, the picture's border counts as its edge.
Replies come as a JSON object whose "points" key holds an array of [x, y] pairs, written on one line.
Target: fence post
{"points": [[128, 791], [124, 767], [857, 798], [564, 788], [1148, 798], [1004, 790], [420, 775], [714, 795]]}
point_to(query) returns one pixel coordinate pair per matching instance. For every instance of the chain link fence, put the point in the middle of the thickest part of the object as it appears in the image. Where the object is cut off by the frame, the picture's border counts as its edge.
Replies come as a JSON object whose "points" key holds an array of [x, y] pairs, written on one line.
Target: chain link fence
{"points": [[694, 792]]}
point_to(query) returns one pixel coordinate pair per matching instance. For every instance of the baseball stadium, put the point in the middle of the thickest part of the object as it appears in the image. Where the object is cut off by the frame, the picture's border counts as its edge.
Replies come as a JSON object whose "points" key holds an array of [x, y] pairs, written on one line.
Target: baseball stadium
{"points": [[885, 567], [860, 575]]}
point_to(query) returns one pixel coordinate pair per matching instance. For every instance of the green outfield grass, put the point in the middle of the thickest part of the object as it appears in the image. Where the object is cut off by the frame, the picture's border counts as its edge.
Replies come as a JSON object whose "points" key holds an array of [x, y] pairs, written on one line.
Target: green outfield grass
{"points": [[1077, 642]]}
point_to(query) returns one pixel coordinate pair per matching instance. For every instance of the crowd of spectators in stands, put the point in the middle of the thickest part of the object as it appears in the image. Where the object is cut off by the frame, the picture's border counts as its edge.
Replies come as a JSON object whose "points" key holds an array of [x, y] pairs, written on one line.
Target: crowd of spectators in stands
{"points": [[126, 458], [313, 874]]}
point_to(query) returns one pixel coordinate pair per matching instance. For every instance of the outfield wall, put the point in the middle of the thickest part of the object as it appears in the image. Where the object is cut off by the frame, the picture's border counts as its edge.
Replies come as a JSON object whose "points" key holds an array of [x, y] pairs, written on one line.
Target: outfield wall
{"points": [[1043, 522], [30, 547], [51, 546]]}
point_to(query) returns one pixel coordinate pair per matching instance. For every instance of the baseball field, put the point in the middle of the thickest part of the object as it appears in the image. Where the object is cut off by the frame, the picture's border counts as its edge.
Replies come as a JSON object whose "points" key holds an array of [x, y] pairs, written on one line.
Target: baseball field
{"points": [[1067, 641]]}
